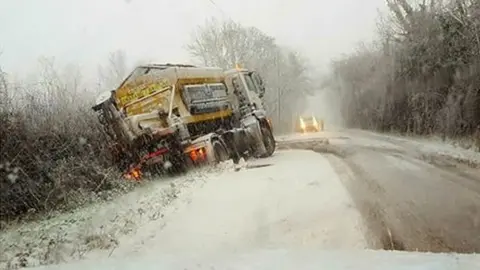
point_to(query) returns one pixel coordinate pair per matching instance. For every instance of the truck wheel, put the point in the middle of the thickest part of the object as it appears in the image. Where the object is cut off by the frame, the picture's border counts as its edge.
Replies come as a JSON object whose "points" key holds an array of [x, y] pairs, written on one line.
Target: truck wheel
{"points": [[175, 157], [178, 164], [268, 141], [220, 151]]}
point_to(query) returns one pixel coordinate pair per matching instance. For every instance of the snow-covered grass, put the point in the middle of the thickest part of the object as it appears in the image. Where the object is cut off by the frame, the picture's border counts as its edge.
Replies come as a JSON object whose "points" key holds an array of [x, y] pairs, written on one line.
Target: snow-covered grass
{"points": [[291, 200], [462, 150], [304, 207], [72, 236]]}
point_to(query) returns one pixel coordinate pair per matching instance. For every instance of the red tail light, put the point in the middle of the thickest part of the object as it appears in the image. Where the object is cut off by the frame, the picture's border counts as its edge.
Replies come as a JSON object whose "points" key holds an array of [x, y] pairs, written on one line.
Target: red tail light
{"points": [[134, 174], [198, 154]]}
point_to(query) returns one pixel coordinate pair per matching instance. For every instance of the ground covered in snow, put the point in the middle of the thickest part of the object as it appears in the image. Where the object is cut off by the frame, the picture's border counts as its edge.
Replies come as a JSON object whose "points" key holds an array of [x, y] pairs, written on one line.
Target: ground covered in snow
{"points": [[72, 236], [293, 199], [343, 190], [413, 194], [276, 259]]}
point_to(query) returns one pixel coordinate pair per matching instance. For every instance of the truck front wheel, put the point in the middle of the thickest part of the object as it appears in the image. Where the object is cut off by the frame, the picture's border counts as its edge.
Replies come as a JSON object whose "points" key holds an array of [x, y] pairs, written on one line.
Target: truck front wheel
{"points": [[220, 151], [268, 141]]}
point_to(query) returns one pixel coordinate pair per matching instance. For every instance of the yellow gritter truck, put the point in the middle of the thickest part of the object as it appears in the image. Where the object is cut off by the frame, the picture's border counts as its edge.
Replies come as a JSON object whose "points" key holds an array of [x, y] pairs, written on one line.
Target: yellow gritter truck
{"points": [[167, 117]]}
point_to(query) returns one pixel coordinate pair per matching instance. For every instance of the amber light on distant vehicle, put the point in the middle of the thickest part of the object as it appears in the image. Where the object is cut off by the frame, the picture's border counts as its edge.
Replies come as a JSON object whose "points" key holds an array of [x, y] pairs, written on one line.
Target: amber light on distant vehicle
{"points": [[302, 124], [309, 124]]}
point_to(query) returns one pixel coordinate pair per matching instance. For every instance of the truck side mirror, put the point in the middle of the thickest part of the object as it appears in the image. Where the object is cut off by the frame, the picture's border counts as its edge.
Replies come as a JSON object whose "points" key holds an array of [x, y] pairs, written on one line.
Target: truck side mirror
{"points": [[261, 93]]}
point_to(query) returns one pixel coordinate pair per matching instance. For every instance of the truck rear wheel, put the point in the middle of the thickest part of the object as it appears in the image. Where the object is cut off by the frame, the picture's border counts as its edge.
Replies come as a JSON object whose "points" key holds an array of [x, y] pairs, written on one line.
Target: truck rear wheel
{"points": [[178, 164], [268, 141], [176, 158]]}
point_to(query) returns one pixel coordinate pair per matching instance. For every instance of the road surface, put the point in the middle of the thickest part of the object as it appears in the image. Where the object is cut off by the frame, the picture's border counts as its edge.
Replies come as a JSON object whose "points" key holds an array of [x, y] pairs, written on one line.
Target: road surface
{"points": [[343, 190], [283, 201], [412, 195], [331, 190]]}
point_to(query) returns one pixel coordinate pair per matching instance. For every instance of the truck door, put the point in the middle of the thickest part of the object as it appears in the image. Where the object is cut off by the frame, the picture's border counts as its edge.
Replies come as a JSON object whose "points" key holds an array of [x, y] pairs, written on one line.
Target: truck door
{"points": [[255, 92]]}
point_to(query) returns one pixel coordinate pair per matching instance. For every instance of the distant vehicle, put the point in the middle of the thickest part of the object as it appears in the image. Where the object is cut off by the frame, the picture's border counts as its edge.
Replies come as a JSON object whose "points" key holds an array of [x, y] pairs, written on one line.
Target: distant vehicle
{"points": [[307, 124]]}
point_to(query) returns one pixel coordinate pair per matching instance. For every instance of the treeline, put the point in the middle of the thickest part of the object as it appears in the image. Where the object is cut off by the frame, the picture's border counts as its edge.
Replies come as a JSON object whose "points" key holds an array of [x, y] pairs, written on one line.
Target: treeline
{"points": [[421, 76], [227, 43]]}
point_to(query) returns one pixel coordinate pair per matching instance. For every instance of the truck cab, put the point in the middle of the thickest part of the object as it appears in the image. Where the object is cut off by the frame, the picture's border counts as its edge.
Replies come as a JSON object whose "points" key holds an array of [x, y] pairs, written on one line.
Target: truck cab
{"points": [[248, 89]]}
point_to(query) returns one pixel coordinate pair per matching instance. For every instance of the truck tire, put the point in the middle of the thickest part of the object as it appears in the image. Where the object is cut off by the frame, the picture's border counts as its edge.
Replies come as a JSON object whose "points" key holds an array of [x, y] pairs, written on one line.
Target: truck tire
{"points": [[178, 164], [220, 151], [268, 141], [176, 158]]}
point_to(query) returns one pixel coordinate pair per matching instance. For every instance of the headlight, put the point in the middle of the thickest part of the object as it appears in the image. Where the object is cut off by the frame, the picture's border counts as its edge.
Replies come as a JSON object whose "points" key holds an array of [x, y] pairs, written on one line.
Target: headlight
{"points": [[302, 124]]}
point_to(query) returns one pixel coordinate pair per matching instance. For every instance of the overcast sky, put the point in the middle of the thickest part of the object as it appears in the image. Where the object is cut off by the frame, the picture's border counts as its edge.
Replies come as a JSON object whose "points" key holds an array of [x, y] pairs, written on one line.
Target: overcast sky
{"points": [[85, 31]]}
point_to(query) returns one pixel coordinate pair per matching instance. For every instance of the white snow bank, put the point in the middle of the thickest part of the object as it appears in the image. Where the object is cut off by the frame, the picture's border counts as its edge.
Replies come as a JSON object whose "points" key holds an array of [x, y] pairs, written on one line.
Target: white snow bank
{"points": [[428, 146], [431, 145], [293, 199], [289, 259], [73, 235]]}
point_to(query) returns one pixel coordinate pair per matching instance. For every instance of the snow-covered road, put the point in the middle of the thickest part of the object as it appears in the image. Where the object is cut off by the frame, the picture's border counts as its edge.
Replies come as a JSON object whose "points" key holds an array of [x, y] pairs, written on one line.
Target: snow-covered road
{"points": [[293, 199], [334, 190], [413, 194]]}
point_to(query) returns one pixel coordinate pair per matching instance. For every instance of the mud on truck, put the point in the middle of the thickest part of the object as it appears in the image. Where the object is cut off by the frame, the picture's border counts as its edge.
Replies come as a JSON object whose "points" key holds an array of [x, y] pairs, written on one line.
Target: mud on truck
{"points": [[165, 118]]}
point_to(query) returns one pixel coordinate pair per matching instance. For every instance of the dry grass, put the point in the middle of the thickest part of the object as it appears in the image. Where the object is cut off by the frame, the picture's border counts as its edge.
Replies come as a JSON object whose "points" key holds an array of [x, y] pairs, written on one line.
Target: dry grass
{"points": [[52, 148]]}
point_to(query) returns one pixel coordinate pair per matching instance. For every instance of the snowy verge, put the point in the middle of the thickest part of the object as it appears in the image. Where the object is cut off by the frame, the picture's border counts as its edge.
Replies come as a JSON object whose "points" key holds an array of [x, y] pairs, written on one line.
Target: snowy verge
{"points": [[432, 146], [292, 199], [71, 236], [423, 147], [277, 259]]}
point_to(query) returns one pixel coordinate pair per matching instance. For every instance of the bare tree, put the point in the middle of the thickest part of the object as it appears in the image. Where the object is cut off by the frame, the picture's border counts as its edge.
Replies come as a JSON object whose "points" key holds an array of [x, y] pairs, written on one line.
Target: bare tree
{"points": [[4, 93], [112, 74], [4, 97], [423, 75], [226, 43]]}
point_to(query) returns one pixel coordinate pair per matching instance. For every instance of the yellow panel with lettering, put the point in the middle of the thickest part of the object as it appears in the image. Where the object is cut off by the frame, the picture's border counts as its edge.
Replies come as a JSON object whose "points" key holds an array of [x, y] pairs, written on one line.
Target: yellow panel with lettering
{"points": [[130, 93], [186, 81], [149, 104]]}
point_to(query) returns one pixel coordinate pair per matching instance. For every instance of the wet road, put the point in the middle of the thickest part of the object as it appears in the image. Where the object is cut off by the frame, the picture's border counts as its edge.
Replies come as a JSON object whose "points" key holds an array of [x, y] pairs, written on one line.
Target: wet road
{"points": [[409, 198]]}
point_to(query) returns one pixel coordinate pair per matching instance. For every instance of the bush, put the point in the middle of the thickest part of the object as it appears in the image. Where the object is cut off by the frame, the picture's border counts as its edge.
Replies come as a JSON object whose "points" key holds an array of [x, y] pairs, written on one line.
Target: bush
{"points": [[51, 147], [422, 76]]}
